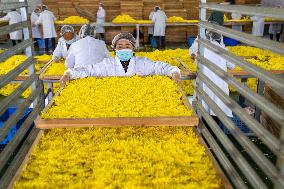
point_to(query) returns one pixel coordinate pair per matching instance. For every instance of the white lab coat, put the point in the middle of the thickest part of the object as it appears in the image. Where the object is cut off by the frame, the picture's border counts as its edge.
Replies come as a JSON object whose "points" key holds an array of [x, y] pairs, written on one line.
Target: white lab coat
{"points": [[61, 48], [194, 48], [237, 16], [151, 28], [159, 19], [112, 67], [101, 15], [36, 33], [14, 17], [223, 64], [86, 51], [46, 19], [258, 25], [274, 29]]}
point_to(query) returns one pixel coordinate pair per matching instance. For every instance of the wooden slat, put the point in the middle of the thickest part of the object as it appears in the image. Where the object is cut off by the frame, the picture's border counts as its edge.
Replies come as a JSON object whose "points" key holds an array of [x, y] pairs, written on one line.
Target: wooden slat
{"points": [[116, 122], [14, 27], [245, 73]]}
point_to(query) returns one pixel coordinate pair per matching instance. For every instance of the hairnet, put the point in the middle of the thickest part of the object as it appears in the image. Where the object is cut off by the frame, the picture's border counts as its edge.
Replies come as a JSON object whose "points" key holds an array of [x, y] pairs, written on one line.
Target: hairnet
{"points": [[44, 7], [213, 36], [87, 30], [37, 9], [127, 36], [157, 8], [66, 28]]}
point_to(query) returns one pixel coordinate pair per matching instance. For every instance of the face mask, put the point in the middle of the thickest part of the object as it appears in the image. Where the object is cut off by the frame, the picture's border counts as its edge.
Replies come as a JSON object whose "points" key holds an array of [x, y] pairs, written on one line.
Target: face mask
{"points": [[124, 54], [69, 42]]}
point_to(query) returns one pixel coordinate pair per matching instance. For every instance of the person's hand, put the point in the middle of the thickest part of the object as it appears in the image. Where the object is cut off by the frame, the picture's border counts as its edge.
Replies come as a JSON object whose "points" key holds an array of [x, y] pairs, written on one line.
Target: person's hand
{"points": [[56, 59], [176, 77], [64, 79]]}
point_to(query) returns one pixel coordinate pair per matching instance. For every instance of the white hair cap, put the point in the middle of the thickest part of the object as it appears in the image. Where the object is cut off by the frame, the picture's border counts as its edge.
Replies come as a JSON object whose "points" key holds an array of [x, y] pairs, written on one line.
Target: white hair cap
{"points": [[127, 36], [66, 29], [87, 30]]}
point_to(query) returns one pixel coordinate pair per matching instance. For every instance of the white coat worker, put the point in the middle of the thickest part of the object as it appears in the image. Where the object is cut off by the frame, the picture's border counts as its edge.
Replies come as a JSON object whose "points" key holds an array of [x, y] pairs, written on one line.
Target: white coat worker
{"points": [[223, 64], [87, 50], [68, 37], [101, 16], [159, 19], [36, 30], [46, 20], [123, 64], [150, 28], [14, 17], [258, 26], [237, 16], [275, 29]]}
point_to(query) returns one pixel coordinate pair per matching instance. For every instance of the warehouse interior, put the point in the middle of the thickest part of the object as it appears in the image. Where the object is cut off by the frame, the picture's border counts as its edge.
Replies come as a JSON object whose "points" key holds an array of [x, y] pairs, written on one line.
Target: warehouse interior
{"points": [[142, 94]]}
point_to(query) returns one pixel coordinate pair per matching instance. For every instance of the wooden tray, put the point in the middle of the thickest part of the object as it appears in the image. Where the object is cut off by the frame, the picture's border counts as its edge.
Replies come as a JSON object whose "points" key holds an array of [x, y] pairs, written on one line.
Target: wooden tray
{"points": [[118, 121]]}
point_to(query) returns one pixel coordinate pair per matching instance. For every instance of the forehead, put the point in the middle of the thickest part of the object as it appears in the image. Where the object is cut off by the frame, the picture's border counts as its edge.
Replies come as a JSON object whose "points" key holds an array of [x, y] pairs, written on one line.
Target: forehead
{"points": [[123, 42]]}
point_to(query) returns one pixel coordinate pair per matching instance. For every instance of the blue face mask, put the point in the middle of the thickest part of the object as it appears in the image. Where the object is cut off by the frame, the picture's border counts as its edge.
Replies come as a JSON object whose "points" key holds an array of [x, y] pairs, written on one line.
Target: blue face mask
{"points": [[69, 42], [124, 54]]}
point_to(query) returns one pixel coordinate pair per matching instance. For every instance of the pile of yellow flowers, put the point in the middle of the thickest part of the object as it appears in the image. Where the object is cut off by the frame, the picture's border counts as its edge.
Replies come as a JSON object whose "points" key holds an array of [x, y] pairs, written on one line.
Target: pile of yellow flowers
{"points": [[124, 18], [176, 19], [144, 21], [11, 87], [128, 157], [43, 58], [134, 96], [11, 63], [75, 20], [55, 69]]}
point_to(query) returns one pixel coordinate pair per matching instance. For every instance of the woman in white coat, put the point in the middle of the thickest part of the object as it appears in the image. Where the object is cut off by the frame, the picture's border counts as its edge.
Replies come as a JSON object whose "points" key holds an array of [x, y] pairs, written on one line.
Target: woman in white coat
{"points": [[47, 19], [124, 63], [258, 26], [68, 37], [36, 31], [87, 50], [159, 19], [101, 16], [14, 17], [223, 64], [150, 28]]}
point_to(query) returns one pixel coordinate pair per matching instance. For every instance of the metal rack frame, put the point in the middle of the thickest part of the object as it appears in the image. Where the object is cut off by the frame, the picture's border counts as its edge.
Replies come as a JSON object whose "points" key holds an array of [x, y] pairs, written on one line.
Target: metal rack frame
{"points": [[274, 172], [15, 151]]}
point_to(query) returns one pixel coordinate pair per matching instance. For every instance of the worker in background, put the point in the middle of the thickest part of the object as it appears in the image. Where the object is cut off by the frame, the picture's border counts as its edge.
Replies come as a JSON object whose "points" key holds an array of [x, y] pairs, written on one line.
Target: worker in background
{"points": [[125, 63], [87, 50], [47, 19], [151, 28], [101, 16], [159, 19], [236, 16], [258, 25], [14, 17], [36, 30], [68, 36], [275, 29], [223, 64]]}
